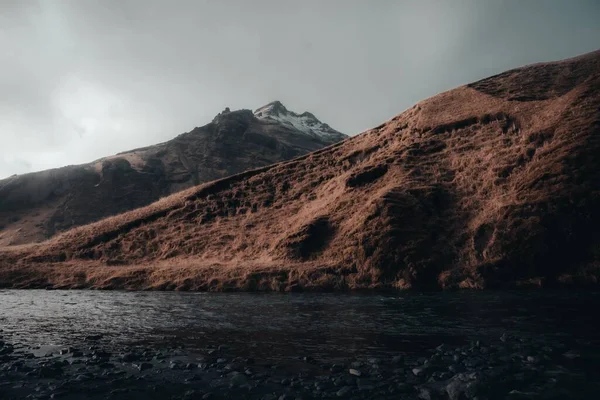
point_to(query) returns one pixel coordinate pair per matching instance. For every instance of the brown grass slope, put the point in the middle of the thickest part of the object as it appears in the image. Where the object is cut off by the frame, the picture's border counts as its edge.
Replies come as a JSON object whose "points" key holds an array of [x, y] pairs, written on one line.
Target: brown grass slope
{"points": [[36, 206], [492, 184]]}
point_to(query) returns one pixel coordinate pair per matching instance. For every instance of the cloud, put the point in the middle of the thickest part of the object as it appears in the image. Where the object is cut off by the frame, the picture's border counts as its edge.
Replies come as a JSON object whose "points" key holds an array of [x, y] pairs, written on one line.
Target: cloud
{"points": [[10, 166], [82, 80]]}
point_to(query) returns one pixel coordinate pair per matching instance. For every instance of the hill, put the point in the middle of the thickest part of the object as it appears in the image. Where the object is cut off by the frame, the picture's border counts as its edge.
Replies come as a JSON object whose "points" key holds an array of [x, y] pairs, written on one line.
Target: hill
{"points": [[36, 206], [492, 184]]}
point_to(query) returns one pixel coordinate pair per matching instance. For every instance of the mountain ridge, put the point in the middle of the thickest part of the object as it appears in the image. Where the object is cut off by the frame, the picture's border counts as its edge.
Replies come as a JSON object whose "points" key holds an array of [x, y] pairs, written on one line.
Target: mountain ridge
{"points": [[305, 122], [36, 206], [493, 184]]}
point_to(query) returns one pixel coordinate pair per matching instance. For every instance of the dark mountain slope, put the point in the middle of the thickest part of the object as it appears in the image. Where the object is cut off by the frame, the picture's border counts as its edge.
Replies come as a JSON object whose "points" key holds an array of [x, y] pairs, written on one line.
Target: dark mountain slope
{"points": [[35, 206]]}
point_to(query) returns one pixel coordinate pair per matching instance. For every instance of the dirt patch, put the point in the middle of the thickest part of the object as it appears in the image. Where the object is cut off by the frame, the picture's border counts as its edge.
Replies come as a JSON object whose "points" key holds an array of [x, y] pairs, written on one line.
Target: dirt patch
{"points": [[308, 240], [366, 176]]}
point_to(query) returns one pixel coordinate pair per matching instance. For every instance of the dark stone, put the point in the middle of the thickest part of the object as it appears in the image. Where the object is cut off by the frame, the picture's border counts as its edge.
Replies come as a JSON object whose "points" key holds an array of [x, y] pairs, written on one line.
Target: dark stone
{"points": [[343, 392], [473, 362], [100, 355], [237, 379], [143, 366], [50, 371], [336, 368], [398, 360], [364, 384], [130, 357], [425, 393], [191, 366]]}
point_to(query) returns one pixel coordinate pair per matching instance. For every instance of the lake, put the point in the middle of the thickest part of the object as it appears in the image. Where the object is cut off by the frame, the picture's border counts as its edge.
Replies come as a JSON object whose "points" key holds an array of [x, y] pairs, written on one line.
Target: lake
{"points": [[291, 330]]}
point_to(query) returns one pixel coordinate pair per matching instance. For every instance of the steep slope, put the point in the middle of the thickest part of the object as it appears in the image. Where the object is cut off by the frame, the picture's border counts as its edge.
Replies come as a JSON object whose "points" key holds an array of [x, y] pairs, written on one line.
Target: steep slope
{"points": [[492, 184], [35, 206]]}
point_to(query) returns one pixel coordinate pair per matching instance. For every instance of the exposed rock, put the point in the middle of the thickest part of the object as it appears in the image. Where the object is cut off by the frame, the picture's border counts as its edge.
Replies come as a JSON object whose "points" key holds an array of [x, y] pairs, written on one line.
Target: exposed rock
{"points": [[305, 122]]}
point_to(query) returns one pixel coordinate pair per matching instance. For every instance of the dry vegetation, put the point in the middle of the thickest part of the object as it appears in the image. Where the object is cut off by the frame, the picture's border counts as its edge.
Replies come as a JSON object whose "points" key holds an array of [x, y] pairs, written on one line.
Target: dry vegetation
{"points": [[37, 206], [492, 184]]}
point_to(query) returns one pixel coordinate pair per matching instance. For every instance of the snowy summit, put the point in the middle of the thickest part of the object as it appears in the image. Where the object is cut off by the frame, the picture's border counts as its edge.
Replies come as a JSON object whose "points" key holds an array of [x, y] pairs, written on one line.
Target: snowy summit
{"points": [[305, 122]]}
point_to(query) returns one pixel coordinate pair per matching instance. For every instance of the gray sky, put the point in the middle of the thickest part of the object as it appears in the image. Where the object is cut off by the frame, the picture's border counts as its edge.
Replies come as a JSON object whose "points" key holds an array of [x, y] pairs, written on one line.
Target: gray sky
{"points": [[84, 79]]}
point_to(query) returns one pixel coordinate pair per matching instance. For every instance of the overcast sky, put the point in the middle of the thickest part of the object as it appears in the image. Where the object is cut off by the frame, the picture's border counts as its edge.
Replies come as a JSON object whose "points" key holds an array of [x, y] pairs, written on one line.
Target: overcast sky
{"points": [[85, 79]]}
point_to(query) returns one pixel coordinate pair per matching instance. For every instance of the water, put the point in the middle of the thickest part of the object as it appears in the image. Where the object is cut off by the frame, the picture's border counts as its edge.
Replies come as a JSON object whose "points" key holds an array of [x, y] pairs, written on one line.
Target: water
{"points": [[333, 327]]}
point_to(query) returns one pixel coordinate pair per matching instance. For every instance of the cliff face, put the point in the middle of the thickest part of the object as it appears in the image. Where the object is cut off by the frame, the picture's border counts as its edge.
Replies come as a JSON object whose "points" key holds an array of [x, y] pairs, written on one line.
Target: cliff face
{"points": [[492, 184], [36, 206]]}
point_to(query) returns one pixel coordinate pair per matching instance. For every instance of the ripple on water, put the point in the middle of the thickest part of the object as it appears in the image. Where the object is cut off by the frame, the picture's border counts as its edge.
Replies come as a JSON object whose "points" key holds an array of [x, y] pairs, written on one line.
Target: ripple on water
{"points": [[275, 325]]}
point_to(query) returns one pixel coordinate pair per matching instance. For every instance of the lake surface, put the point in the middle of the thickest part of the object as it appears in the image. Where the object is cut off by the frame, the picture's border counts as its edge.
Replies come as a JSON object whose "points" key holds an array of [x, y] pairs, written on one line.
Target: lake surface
{"points": [[157, 345], [279, 327]]}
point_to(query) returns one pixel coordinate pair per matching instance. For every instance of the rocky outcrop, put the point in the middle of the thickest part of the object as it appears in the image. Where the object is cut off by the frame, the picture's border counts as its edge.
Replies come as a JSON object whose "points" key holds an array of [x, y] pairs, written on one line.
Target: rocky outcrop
{"points": [[305, 122]]}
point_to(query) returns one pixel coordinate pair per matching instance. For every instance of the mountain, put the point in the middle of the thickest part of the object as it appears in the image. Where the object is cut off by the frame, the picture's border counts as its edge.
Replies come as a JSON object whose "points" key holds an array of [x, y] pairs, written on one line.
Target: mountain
{"points": [[35, 206], [492, 184], [305, 122]]}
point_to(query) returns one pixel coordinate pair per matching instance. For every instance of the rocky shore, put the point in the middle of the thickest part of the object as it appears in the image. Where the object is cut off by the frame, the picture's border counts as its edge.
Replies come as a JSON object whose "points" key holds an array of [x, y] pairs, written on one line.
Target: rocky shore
{"points": [[508, 368]]}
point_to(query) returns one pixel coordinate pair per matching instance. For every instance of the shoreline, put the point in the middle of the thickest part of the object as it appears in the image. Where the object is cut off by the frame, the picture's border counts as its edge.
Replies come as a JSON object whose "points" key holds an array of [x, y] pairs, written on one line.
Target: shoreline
{"points": [[189, 274], [333, 284], [510, 367]]}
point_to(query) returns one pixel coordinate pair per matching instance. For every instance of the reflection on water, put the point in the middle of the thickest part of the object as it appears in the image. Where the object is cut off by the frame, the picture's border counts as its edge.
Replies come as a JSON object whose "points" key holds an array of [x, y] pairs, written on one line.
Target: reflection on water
{"points": [[328, 326]]}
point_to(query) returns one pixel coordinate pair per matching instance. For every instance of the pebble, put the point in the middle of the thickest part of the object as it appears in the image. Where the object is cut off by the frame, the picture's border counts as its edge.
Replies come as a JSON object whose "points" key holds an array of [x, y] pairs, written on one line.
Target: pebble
{"points": [[189, 366], [143, 366], [571, 355], [441, 348], [238, 379], [129, 357], [364, 384], [343, 391], [335, 368], [527, 366], [398, 360]]}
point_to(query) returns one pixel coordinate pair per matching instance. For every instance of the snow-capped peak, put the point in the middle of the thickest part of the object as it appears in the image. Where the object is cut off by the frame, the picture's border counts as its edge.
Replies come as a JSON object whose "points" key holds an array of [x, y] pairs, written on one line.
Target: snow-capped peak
{"points": [[305, 122]]}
